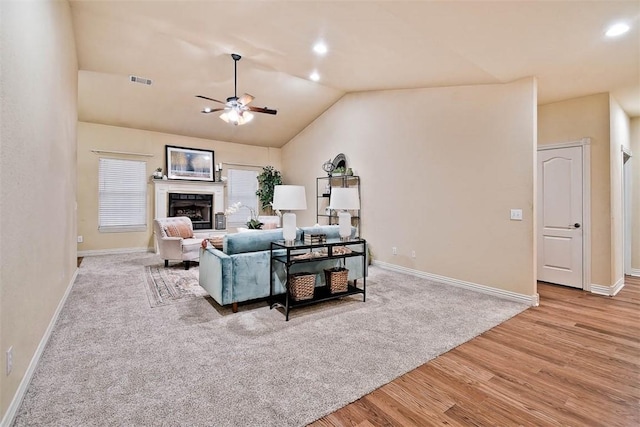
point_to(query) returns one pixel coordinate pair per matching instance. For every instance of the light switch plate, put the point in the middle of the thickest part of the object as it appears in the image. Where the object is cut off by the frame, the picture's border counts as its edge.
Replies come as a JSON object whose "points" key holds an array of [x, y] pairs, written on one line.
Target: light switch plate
{"points": [[516, 214]]}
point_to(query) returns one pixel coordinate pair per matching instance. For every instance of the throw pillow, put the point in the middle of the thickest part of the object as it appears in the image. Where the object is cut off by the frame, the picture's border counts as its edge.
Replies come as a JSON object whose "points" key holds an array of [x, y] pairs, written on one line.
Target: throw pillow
{"points": [[179, 230]]}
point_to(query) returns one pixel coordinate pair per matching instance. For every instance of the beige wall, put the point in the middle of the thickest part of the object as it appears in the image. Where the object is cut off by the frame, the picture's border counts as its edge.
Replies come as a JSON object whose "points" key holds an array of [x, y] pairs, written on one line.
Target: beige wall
{"points": [[38, 90], [572, 120], [440, 170], [619, 122], [101, 137], [635, 195]]}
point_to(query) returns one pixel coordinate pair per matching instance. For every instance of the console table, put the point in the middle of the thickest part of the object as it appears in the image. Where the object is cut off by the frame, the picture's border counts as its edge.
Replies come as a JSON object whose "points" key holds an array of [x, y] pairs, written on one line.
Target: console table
{"points": [[300, 253]]}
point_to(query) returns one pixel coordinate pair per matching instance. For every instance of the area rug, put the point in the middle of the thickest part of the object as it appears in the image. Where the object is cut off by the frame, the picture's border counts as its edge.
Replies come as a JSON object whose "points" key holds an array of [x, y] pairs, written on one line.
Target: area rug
{"points": [[168, 285], [194, 363]]}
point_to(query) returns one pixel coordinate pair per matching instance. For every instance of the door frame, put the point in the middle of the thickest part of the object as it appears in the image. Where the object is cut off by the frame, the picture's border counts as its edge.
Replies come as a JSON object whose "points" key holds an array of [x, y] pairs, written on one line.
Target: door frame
{"points": [[627, 216], [585, 144]]}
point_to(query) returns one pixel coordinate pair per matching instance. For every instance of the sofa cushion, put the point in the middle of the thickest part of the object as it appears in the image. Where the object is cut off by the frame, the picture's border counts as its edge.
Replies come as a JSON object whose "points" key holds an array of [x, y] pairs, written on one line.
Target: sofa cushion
{"points": [[260, 240], [178, 229]]}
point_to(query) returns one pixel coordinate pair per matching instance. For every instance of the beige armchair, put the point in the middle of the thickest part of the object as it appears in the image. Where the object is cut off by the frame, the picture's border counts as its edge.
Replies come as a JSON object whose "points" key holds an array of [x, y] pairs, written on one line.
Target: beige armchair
{"points": [[176, 241]]}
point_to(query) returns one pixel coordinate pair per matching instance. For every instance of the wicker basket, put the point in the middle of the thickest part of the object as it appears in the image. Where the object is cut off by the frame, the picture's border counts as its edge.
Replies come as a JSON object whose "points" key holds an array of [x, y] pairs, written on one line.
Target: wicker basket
{"points": [[337, 279], [302, 285]]}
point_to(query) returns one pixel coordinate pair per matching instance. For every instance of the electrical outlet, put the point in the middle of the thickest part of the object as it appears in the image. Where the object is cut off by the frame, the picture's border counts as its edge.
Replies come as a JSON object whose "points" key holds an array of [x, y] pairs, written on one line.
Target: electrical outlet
{"points": [[80, 239], [413, 254], [394, 250], [516, 214], [9, 360]]}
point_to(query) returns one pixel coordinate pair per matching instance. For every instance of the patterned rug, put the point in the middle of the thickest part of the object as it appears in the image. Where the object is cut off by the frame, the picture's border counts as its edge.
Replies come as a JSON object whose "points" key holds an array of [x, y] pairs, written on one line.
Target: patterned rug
{"points": [[168, 285]]}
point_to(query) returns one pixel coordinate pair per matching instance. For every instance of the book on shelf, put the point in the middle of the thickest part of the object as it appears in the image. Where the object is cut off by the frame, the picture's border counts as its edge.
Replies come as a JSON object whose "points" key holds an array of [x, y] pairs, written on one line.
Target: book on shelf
{"points": [[311, 239]]}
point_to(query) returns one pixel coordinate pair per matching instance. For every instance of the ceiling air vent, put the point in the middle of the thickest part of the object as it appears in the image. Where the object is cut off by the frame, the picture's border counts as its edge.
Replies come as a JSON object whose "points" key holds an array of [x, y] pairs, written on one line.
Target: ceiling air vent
{"points": [[141, 80]]}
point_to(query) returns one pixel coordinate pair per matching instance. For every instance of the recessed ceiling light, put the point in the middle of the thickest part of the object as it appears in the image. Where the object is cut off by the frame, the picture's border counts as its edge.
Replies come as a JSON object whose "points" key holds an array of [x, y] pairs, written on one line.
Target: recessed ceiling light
{"points": [[315, 76], [320, 48], [617, 29]]}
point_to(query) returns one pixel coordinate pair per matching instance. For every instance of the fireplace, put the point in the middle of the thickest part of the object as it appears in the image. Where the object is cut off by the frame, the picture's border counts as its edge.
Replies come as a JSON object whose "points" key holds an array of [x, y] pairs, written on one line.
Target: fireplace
{"points": [[214, 190], [198, 207]]}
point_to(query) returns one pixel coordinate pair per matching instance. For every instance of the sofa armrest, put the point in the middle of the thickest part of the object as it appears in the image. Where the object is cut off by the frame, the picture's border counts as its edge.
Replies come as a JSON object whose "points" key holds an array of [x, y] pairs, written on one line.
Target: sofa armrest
{"points": [[216, 274]]}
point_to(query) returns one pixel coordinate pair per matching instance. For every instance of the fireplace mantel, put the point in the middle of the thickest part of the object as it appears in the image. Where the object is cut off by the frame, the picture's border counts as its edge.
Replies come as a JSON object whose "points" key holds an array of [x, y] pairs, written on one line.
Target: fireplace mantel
{"points": [[163, 187]]}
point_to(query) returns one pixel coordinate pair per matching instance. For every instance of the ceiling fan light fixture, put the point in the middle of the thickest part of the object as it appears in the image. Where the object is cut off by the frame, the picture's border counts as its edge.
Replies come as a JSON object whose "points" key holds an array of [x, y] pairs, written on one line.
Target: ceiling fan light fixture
{"points": [[236, 117], [236, 110]]}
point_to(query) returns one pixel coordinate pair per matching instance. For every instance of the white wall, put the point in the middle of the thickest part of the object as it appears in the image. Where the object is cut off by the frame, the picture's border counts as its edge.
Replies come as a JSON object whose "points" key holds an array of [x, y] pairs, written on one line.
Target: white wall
{"points": [[440, 170], [38, 91]]}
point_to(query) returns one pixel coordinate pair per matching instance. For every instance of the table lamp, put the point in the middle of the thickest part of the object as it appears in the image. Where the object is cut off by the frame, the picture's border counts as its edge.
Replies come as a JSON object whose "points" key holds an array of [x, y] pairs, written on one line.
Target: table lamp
{"points": [[343, 199], [289, 198]]}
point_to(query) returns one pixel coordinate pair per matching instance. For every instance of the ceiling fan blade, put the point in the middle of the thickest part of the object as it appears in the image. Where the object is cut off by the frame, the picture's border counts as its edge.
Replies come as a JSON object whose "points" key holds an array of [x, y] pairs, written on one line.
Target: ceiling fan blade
{"points": [[210, 99], [245, 99], [211, 110], [263, 110]]}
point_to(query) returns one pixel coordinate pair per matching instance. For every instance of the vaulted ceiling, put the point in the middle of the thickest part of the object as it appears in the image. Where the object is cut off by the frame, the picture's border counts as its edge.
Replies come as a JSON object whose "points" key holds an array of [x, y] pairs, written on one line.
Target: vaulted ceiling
{"points": [[184, 47]]}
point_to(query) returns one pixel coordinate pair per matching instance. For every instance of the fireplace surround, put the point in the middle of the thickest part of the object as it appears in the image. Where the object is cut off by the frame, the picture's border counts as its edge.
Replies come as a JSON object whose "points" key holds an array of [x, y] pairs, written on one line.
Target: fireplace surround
{"points": [[191, 198]]}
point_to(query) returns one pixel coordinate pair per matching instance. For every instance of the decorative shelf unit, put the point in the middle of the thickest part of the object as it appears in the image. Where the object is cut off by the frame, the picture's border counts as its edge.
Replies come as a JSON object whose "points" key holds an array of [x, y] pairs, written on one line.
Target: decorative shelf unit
{"points": [[326, 216]]}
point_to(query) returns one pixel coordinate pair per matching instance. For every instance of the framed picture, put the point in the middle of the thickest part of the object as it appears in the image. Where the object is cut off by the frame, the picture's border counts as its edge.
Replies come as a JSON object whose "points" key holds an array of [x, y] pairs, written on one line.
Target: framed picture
{"points": [[189, 164]]}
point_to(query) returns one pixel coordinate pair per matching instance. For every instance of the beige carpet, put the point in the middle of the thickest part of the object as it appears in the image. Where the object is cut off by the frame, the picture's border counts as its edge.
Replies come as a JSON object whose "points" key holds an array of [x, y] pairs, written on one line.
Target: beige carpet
{"points": [[112, 360]]}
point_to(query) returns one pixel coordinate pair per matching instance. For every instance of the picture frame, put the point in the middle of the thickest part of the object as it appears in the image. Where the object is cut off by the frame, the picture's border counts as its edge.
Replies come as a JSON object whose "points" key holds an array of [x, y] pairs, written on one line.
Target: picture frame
{"points": [[189, 164]]}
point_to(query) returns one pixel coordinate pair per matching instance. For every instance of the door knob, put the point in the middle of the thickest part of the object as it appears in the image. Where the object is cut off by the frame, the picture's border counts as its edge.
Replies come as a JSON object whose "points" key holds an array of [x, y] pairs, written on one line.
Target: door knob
{"points": [[576, 225]]}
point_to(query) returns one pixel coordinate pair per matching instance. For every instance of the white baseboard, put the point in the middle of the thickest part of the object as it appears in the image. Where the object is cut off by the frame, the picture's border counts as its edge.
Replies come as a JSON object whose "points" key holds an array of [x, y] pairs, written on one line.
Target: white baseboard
{"points": [[12, 410], [608, 291], [114, 251], [532, 300], [634, 272]]}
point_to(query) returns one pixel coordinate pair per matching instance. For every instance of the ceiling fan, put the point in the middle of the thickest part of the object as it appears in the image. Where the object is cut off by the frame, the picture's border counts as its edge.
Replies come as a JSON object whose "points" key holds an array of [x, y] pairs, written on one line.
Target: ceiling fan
{"points": [[236, 110]]}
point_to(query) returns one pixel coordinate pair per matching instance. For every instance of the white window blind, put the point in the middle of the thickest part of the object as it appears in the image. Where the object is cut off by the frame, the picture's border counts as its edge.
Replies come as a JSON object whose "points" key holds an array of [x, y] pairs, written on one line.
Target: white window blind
{"points": [[242, 187], [122, 195]]}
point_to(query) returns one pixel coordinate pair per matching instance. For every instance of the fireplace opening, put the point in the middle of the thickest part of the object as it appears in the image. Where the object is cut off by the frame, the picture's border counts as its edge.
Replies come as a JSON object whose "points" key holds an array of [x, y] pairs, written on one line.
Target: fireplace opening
{"points": [[198, 207]]}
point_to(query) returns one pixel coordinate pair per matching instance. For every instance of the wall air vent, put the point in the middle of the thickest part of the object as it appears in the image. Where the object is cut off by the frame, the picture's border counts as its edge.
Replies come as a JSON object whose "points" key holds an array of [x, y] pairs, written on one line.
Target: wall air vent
{"points": [[141, 80]]}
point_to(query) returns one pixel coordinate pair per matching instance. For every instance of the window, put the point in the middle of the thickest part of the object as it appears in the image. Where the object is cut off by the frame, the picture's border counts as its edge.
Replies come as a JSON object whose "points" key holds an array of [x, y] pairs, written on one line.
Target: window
{"points": [[242, 188], [122, 195]]}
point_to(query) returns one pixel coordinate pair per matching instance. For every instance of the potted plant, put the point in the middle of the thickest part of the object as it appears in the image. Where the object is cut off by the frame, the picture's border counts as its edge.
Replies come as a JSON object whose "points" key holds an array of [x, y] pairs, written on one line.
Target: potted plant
{"points": [[267, 180], [157, 174]]}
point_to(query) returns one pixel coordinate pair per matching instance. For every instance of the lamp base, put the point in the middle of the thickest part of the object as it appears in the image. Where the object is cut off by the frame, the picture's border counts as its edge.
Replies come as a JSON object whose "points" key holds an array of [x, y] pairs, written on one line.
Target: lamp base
{"points": [[344, 221], [289, 228]]}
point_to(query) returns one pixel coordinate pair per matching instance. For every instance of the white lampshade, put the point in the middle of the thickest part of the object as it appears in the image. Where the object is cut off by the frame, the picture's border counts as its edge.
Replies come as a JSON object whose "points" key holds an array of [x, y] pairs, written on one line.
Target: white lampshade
{"points": [[289, 198], [344, 199]]}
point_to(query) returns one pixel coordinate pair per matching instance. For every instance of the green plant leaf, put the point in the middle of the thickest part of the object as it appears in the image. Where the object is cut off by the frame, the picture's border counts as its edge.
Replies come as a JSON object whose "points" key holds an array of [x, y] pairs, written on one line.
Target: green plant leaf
{"points": [[267, 180]]}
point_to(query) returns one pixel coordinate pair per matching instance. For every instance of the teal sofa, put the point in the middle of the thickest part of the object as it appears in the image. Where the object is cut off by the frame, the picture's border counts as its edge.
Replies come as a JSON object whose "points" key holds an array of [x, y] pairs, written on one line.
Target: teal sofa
{"points": [[241, 271]]}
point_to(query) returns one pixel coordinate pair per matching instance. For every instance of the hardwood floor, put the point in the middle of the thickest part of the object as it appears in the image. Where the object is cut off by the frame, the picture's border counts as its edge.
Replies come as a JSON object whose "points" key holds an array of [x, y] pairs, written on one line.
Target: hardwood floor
{"points": [[572, 361]]}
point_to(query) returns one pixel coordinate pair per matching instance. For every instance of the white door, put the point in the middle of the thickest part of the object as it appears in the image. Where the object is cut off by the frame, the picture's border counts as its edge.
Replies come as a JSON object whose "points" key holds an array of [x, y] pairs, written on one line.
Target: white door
{"points": [[559, 215]]}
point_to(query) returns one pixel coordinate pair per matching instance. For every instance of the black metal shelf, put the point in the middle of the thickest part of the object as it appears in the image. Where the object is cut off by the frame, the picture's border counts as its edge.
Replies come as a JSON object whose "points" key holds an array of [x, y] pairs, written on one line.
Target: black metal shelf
{"points": [[321, 293], [341, 181]]}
